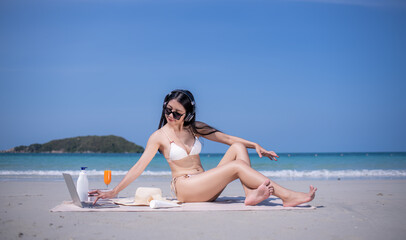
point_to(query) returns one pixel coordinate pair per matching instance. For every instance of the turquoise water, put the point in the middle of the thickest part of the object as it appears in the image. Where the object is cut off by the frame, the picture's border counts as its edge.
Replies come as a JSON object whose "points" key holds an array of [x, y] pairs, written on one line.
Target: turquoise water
{"points": [[49, 167]]}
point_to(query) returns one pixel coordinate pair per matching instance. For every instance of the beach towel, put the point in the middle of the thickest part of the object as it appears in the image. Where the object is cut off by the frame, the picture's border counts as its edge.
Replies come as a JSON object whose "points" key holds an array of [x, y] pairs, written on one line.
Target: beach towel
{"points": [[221, 204]]}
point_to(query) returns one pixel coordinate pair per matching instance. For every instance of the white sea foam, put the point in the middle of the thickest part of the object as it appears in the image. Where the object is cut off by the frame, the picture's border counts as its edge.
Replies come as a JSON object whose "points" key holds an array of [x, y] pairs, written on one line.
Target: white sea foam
{"points": [[89, 173], [275, 174], [333, 174]]}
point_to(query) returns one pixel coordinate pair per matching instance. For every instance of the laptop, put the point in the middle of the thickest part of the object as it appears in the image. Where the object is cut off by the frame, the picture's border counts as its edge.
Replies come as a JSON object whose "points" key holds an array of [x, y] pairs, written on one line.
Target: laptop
{"points": [[76, 200]]}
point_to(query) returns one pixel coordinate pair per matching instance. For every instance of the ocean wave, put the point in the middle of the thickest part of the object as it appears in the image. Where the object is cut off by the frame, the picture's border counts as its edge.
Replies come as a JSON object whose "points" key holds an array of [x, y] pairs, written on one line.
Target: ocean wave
{"points": [[275, 174], [337, 173], [76, 173]]}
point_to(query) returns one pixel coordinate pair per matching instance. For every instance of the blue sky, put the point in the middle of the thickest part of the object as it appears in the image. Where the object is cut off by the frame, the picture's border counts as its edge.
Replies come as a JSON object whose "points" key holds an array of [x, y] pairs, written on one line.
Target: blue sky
{"points": [[294, 76]]}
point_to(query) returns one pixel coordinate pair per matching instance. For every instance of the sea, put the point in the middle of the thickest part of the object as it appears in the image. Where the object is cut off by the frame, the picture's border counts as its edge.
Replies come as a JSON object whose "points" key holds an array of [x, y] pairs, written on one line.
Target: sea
{"points": [[290, 166]]}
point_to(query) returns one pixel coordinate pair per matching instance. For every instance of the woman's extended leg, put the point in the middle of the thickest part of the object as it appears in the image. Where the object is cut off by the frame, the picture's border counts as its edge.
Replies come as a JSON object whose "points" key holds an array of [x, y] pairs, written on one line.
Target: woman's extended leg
{"points": [[207, 185]]}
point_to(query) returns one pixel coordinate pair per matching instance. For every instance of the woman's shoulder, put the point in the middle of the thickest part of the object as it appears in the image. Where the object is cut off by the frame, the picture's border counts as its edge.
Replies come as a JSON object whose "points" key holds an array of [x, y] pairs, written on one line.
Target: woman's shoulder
{"points": [[158, 135]]}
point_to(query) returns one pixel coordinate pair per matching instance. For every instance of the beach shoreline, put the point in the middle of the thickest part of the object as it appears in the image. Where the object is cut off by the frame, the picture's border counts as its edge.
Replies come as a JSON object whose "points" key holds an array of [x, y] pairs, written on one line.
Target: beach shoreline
{"points": [[346, 209]]}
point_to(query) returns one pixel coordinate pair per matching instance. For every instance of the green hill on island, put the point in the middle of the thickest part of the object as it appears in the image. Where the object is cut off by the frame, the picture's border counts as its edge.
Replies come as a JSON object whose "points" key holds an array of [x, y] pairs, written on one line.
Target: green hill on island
{"points": [[84, 144]]}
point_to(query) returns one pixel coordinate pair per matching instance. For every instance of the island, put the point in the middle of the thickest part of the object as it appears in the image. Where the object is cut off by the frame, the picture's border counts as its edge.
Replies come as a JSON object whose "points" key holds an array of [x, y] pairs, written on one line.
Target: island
{"points": [[82, 144]]}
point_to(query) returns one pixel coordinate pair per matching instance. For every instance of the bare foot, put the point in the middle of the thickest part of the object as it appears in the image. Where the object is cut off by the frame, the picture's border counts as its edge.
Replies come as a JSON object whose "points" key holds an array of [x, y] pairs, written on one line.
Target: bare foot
{"points": [[297, 198], [260, 194]]}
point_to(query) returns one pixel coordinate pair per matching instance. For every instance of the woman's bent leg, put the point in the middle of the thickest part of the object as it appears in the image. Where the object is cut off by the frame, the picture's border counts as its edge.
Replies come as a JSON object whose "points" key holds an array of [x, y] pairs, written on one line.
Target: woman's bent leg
{"points": [[234, 152], [205, 186]]}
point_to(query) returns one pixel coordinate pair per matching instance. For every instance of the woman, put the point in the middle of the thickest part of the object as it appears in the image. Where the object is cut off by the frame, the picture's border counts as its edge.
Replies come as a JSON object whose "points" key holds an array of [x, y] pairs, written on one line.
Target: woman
{"points": [[177, 138]]}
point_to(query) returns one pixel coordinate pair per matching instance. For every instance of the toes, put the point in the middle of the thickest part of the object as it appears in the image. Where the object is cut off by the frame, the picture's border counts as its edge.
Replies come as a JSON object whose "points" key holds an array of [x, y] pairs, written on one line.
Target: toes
{"points": [[267, 182], [312, 189], [270, 188]]}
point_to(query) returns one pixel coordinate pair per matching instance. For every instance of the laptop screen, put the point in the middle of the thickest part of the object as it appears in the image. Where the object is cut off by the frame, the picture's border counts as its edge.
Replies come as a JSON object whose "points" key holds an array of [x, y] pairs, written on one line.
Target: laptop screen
{"points": [[72, 189]]}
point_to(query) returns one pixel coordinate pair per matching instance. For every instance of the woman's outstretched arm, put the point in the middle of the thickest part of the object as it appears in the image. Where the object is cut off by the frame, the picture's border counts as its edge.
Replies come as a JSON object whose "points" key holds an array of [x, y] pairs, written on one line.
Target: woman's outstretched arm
{"points": [[229, 140], [135, 171]]}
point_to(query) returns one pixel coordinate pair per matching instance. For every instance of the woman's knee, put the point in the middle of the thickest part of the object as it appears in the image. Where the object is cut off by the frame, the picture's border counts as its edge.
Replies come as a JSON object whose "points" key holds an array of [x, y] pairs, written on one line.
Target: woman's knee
{"points": [[238, 145], [239, 165], [238, 151]]}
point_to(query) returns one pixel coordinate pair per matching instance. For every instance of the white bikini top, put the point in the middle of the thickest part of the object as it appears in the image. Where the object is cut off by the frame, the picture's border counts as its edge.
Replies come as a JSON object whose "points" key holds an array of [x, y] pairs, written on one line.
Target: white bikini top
{"points": [[176, 152]]}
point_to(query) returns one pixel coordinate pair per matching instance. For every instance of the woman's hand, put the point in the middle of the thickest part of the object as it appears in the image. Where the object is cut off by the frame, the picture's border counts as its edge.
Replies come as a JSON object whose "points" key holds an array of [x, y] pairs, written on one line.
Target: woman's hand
{"points": [[103, 195], [262, 152]]}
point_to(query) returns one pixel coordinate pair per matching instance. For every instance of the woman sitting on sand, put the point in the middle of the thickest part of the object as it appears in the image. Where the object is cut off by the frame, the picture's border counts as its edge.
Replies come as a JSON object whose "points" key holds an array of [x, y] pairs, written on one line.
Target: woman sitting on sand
{"points": [[177, 138]]}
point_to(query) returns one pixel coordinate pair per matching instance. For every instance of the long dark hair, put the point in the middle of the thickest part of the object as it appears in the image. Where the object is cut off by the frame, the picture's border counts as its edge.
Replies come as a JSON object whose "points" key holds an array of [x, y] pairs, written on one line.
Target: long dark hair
{"points": [[187, 100]]}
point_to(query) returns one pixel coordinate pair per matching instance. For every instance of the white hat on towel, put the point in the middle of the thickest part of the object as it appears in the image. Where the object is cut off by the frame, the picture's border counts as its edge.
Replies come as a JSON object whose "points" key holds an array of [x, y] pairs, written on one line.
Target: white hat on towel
{"points": [[143, 197]]}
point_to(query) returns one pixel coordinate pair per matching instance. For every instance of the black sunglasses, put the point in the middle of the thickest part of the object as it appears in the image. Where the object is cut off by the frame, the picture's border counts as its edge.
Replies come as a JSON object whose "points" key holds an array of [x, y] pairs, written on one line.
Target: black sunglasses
{"points": [[175, 115]]}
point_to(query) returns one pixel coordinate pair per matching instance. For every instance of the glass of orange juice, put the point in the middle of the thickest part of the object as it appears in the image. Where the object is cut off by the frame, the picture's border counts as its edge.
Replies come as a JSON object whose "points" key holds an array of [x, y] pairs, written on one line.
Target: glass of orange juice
{"points": [[107, 177]]}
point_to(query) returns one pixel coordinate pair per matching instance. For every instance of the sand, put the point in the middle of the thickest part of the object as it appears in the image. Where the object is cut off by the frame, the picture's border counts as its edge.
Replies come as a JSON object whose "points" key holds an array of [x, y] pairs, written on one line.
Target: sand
{"points": [[347, 209]]}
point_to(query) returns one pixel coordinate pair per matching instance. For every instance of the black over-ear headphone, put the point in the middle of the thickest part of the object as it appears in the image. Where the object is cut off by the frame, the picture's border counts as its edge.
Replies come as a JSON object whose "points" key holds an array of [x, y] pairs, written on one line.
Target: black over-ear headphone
{"points": [[190, 115]]}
